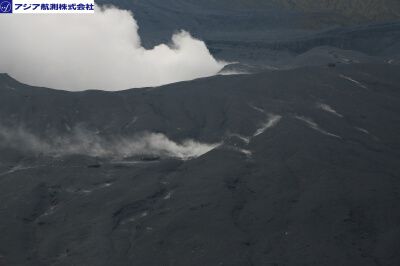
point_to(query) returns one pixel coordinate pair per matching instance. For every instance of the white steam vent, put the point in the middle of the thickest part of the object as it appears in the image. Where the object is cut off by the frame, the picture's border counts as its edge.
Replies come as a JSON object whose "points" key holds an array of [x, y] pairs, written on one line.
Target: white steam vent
{"points": [[96, 51]]}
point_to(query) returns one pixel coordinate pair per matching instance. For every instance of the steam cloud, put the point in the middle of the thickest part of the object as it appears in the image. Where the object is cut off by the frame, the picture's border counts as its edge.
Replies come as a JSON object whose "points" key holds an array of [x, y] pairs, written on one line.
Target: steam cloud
{"points": [[83, 142], [96, 51], [272, 121]]}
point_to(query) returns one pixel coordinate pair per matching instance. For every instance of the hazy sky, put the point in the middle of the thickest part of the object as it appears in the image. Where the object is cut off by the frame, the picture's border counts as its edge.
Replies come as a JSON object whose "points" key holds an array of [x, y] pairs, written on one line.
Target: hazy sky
{"points": [[95, 51]]}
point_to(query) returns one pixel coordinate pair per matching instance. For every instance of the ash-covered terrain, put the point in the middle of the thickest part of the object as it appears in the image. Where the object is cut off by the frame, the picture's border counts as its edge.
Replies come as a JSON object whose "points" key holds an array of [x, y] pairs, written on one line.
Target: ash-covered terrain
{"points": [[289, 156], [293, 167]]}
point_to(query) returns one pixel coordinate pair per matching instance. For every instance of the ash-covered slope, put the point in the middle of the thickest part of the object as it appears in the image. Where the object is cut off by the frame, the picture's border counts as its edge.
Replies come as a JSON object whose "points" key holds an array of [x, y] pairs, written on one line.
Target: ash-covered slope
{"points": [[345, 12], [269, 24], [306, 172], [248, 15], [269, 48]]}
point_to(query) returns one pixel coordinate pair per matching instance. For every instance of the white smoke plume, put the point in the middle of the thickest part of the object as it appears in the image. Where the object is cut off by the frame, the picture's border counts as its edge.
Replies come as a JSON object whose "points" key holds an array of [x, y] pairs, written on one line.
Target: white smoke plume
{"points": [[272, 121], [96, 51], [83, 142], [327, 108], [314, 126]]}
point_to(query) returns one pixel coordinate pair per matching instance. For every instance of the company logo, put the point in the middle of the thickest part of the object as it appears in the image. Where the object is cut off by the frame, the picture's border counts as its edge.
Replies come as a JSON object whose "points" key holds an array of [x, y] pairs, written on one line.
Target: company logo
{"points": [[47, 6], [5, 6]]}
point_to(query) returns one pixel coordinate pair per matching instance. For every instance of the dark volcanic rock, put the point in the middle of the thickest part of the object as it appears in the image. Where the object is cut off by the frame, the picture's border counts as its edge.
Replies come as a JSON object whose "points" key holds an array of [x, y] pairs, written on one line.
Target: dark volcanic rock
{"points": [[307, 172], [256, 27]]}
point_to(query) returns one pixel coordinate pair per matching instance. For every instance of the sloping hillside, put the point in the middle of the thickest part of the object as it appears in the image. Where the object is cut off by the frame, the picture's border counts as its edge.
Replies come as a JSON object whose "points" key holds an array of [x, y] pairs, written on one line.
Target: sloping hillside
{"points": [[308, 14], [345, 12], [371, 9], [319, 13], [306, 171]]}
